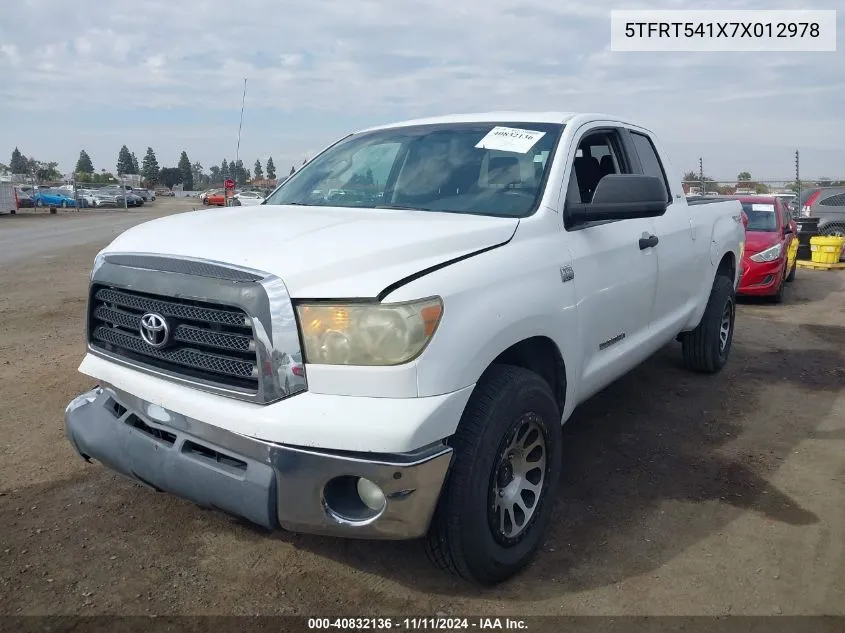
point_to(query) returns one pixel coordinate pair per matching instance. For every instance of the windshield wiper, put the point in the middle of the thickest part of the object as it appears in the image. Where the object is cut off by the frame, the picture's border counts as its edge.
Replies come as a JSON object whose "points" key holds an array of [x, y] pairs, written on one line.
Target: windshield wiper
{"points": [[400, 207]]}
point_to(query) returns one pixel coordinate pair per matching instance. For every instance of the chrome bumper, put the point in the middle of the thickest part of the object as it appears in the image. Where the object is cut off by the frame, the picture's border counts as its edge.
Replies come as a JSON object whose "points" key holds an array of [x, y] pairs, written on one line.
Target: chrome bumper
{"points": [[272, 485]]}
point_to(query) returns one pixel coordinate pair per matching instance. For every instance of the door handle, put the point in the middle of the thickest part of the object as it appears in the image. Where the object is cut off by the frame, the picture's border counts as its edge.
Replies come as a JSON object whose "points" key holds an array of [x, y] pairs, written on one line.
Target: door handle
{"points": [[648, 241]]}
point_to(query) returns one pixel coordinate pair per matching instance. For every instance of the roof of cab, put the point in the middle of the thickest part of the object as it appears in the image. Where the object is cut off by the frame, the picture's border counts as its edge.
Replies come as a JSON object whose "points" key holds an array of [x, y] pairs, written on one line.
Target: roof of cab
{"points": [[482, 117]]}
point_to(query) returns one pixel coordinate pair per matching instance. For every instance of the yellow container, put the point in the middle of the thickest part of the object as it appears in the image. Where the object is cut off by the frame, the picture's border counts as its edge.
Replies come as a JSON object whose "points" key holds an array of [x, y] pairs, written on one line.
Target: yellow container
{"points": [[825, 249]]}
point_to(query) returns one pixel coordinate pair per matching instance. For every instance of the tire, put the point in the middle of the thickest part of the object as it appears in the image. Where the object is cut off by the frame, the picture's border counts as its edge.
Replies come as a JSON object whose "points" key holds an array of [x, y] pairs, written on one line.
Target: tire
{"points": [[791, 276], [778, 296], [464, 538], [64, 204], [39, 203], [704, 349]]}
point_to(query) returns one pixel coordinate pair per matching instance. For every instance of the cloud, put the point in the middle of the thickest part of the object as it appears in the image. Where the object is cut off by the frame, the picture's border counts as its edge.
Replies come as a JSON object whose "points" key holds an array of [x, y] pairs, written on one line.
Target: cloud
{"points": [[317, 70]]}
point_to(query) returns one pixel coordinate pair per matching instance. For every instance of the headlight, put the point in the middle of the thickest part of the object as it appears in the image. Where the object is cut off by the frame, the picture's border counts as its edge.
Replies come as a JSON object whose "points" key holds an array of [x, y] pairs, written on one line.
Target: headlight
{"points": [[768, 255], [367, 334]]}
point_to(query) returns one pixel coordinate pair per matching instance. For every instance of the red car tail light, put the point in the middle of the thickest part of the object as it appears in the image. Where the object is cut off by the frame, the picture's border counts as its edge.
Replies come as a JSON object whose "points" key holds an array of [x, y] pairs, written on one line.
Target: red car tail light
{"points": [[298, 371]]}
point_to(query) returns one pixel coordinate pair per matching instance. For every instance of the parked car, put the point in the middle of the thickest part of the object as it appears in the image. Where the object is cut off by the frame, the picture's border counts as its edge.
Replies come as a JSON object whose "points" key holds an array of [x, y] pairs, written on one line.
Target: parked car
{"points": [[53, 198], [827, 204], [164, 192], [248, 198], [447, 330], [142, 193], [25, 200], [105, 198], [134, 200], [85, 198], [214, 198], [771, 247]]}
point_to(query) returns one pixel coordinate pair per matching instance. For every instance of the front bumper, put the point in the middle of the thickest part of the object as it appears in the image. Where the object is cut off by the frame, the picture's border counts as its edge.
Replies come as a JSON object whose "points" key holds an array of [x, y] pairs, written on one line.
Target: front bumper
{"points": [[269, 484], [762, 278]]}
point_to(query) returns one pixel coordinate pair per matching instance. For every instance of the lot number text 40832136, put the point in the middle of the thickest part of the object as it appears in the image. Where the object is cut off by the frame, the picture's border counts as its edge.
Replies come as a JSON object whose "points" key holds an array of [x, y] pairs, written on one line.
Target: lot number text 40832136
{"points": [[417, 624]]}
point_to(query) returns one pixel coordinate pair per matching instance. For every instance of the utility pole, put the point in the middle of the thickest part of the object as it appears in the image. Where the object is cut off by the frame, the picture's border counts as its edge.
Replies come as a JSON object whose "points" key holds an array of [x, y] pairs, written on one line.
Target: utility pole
{"points": [[238, 148], [701, 174], [797, 176]]}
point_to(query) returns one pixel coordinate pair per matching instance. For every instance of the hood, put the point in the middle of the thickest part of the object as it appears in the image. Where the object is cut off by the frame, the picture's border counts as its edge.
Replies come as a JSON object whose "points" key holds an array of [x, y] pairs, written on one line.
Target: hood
{"points": [[756, 241], [320, 252]]}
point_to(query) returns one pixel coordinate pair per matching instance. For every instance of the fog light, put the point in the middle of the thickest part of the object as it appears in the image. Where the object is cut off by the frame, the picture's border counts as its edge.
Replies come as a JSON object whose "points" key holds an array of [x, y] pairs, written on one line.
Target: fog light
{"points": [[371, 494]]}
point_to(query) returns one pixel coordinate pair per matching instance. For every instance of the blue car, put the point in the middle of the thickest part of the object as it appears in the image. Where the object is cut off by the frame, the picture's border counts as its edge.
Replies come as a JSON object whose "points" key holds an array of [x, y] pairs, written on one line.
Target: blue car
{"points": [[52, 198]]}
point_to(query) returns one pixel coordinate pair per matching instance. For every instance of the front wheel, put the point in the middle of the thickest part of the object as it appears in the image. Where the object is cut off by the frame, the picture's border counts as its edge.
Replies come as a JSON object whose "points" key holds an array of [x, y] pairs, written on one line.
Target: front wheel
{"points": [[498, 497], [707, 347], [791, 275], [64, 204]]}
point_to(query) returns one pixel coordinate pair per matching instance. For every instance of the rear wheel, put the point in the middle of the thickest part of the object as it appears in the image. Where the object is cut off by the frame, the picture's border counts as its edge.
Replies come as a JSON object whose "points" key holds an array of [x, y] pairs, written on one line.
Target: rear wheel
{"points": [[498, 497], [64, 204], [707, 347]]}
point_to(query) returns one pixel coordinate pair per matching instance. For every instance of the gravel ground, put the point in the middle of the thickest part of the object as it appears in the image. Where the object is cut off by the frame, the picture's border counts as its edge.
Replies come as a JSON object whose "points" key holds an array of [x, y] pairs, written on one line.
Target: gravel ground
{"points": [[681, 494]]}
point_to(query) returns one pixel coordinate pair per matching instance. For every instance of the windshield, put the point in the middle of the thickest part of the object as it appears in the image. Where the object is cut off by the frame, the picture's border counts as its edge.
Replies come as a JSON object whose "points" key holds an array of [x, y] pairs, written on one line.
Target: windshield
{"points": [[493, 169], [761, 217]]}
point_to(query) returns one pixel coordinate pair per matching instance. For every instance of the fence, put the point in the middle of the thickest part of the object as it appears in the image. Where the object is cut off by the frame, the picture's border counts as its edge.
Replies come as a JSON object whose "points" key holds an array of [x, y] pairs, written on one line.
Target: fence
{"points": [[732, 186]]}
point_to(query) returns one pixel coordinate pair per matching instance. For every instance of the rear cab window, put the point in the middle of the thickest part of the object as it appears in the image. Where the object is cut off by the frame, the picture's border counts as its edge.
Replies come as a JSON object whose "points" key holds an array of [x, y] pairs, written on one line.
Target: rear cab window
{"points": [[649, 160]]}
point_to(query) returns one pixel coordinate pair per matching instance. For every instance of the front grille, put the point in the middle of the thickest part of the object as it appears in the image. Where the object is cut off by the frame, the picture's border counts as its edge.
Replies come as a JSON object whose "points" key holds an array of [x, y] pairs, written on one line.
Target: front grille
{"points": [[207, 342]]}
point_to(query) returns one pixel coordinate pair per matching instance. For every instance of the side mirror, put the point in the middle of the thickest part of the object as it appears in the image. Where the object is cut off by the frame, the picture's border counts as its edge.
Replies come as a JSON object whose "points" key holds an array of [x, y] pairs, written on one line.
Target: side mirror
{"points": [[623, 197]]}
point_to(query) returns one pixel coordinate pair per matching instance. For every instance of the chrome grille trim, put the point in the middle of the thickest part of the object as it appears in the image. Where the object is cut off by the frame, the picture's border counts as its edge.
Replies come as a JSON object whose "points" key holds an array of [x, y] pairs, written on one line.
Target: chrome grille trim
{"points": [[233, 338], [188, 266]]}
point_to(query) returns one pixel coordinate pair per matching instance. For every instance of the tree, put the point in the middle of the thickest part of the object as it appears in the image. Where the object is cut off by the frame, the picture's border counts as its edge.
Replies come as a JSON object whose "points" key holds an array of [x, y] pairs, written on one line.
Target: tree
{"points": [[149, 167], [257, 170], [170, 176], [184, 166], [214, 173], [42, 171], [135, 168], [84, 164], [4, 169], [224, 169], [124, 161], [271, 169], [744, 176], [198, 173], [19, 164]]}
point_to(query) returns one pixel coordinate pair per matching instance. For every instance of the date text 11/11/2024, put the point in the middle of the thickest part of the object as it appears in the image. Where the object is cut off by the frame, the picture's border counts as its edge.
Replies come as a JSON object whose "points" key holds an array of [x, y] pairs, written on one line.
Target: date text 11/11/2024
{"points": [[417, 624]]}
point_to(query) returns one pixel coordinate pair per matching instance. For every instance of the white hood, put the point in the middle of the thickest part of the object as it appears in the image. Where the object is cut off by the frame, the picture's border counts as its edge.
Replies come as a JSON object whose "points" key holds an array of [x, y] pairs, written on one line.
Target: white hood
{"points": [[320, 252]]}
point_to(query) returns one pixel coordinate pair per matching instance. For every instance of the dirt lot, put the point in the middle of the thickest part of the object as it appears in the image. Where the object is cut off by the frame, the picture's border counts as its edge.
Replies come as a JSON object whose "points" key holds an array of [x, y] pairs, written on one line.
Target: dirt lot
{"points": [[682, 494]]}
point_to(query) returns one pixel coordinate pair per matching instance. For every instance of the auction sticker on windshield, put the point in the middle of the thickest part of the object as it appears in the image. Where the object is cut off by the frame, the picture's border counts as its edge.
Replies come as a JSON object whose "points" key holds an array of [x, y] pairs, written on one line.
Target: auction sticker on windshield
{"points": [[762, 207], [510, 139]]}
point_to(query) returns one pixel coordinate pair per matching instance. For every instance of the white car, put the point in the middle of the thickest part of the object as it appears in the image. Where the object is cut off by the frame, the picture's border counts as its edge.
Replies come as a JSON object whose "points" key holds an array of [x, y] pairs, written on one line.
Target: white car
{"points": [[480, 277], [248, 198], [89, 196]]}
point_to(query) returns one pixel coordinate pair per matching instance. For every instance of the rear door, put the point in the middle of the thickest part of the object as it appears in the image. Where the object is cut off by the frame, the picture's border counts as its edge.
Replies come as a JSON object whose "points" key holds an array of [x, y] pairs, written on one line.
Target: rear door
{"points": [[675, 297], [614, 277]]}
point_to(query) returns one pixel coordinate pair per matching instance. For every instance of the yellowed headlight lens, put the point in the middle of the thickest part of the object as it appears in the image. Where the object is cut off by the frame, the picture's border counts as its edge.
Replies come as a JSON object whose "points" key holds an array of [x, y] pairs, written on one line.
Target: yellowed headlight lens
{"points": [[367, 334]]}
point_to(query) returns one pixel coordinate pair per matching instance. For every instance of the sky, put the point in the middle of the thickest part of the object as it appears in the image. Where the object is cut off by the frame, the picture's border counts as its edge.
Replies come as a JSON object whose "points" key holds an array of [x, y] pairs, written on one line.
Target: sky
{"points": [[170, 75]]}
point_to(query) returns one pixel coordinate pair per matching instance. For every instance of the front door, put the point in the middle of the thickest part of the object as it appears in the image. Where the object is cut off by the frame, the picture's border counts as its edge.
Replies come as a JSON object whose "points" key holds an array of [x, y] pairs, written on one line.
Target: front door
{"points": [[615, 273]]}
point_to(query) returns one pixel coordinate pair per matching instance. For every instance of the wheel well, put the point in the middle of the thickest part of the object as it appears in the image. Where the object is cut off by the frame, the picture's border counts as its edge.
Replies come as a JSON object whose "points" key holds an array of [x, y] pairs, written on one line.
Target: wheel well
{"points": [[540, 355], [727, 267]]}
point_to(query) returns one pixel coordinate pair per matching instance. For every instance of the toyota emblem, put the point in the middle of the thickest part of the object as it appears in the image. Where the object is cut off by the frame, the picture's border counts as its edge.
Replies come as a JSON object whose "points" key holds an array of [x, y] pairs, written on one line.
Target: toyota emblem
{"points": [[154, 330]]}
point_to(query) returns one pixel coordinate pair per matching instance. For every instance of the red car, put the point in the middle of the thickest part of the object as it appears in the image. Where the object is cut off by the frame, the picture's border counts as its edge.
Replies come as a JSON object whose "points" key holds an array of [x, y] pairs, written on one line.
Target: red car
{"points": [[771, 247]]}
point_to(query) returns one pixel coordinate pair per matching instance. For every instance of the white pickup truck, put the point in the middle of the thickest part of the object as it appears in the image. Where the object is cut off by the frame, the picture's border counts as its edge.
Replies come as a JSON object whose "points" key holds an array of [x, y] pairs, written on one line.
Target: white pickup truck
{"points": [[388, 346]]}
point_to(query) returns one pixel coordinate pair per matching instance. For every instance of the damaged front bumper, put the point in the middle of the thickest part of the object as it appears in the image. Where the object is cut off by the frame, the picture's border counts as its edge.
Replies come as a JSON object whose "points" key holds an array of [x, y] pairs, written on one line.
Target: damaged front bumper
{"points": [[294, 488]]}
